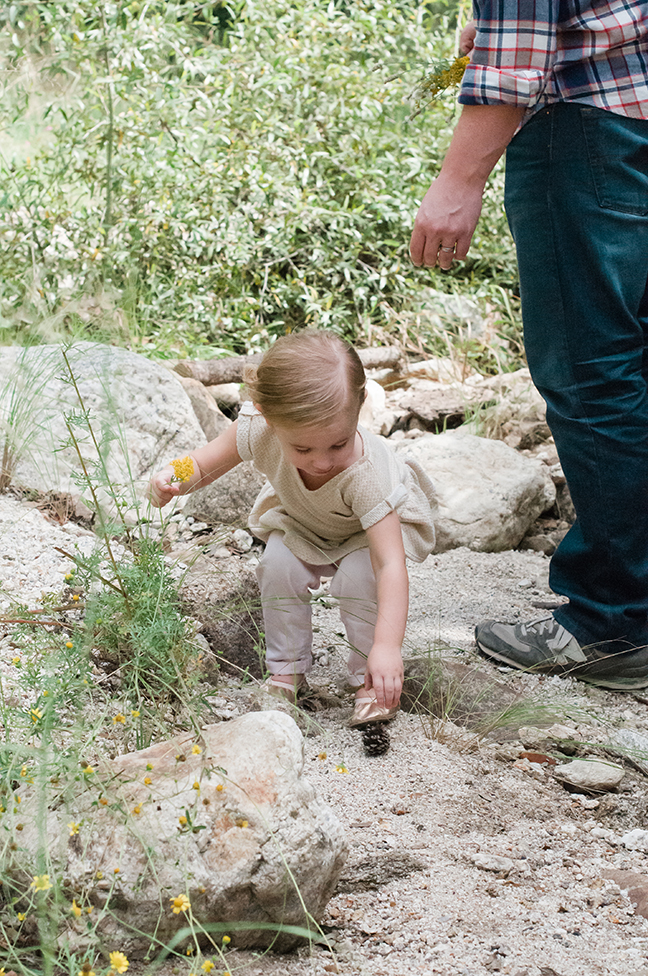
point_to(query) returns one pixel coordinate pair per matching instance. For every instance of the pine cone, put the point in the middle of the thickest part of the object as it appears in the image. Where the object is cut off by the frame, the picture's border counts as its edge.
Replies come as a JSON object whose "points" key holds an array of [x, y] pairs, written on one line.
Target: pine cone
{"points": [[375, 739]]}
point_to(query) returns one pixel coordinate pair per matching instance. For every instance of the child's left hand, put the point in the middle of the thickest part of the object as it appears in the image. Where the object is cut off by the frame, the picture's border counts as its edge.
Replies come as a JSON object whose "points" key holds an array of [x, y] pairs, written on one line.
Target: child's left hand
{"points": [[385, 674]]}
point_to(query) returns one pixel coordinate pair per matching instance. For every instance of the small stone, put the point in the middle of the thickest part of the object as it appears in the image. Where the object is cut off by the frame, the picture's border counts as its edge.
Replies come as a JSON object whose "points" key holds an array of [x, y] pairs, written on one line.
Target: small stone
{"points": [[635, 840], [590, 775], [493, 862], [242, 540], [198, 526]]}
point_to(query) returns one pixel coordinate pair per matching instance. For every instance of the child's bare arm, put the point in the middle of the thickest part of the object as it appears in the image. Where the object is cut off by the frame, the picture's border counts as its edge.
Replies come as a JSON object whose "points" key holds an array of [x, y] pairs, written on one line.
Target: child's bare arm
{"points": [[385, 664], [210, 462]]}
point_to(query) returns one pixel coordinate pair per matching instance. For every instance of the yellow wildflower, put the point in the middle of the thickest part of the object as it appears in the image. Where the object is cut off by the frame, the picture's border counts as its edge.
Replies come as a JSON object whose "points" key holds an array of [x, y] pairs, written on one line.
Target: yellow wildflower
{"points": [[321, 755], [15, 661], [444, 78], [180, 904], [116, 870], [99, 875], [196, 750], [220, 788], [21, 916], [135, 713], [73, 828], [75, 598], [41, 882], [86, 971], [69, 644], [207, 966], [341, 768], [35, 714], [118, 718], [137, 809], [149, 766], [76, 909], [147, 780], [242, 823], [226, 940], [119, 962], [23, 771], [196, 785], [183, 468], [103, 801], [182, 821], [88, 770]]}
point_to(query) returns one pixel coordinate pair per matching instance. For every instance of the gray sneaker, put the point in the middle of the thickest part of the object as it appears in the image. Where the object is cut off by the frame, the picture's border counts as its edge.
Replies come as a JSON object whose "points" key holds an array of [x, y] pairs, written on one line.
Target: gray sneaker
{"points": [[545, 646]]}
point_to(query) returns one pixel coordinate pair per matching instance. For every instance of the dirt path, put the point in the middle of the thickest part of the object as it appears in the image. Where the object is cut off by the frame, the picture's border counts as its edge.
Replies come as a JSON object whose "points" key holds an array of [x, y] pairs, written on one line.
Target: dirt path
{"points": [[411, 898]]}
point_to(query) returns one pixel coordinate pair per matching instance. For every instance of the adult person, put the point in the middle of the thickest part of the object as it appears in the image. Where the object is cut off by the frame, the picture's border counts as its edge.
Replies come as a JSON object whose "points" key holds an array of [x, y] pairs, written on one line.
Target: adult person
{"points": [[564, 84]]}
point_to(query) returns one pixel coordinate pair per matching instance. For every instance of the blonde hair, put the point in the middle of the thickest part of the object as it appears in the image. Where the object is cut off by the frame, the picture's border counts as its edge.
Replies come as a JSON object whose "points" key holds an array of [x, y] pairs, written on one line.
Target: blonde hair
{"points": [[307, 379]]}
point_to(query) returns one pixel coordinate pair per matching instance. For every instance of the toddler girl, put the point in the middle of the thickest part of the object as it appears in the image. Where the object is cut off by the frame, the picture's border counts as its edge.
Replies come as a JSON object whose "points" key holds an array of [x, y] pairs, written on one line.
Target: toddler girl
{"points": [[339, 502]]}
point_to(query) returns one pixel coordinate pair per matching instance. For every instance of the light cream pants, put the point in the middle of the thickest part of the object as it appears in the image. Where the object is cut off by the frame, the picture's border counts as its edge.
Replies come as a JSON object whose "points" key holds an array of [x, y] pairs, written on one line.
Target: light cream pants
{"points": [[285, 582]]}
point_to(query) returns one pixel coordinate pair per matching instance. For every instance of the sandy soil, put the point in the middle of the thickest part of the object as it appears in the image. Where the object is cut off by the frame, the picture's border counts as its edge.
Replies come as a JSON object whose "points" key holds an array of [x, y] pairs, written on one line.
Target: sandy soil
{"points": [[411, 898]]}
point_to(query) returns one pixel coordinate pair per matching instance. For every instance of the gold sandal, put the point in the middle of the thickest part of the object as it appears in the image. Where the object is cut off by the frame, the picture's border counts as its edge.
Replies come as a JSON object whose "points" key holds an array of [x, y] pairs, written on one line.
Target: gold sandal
{"points": [[367, 710], [279, 689]]}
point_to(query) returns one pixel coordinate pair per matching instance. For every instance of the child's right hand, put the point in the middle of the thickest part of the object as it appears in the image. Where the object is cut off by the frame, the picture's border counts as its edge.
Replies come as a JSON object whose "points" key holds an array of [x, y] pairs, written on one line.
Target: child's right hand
{"points": [[160, 489]]}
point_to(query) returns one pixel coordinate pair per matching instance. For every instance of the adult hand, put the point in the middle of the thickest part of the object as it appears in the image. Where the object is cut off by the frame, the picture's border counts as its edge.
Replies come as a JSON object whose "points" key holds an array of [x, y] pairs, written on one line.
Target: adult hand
{"points": [[467, 37], [445, 223]]}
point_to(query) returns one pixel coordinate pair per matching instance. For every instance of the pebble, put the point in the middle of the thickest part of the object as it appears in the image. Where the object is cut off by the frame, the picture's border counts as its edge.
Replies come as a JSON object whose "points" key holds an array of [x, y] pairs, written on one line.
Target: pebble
{"points": [[493, 862], [590, 774], [635, 840]]}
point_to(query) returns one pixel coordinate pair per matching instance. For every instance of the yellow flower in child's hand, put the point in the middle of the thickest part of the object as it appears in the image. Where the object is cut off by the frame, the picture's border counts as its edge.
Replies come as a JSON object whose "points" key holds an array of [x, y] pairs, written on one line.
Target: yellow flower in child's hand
{"points": [[183, 468], [119, 962], [180, 904], [41, 882]]}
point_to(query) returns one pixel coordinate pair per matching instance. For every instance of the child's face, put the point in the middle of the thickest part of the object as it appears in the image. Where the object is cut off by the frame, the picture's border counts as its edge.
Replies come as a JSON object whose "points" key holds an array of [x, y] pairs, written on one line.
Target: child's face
{"points": [[321, 452]]}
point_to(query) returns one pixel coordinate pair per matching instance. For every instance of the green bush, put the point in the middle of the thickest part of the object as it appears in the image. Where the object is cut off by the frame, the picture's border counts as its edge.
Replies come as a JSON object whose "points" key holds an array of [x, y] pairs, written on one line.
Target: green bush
{"points": [[225, 173]]}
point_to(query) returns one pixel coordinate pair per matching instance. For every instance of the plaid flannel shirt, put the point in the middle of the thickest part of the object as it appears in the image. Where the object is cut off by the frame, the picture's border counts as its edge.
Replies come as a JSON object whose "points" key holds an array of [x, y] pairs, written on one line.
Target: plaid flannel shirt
{"points": [[535, 52]]}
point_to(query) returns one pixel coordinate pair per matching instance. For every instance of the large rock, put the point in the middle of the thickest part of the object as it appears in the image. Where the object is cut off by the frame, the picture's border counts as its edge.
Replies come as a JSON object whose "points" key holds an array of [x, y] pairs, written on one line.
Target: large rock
{"points": [[235, 828], [488, 494], [229, 500], [208, 414], [223, 594], [140, 414]]}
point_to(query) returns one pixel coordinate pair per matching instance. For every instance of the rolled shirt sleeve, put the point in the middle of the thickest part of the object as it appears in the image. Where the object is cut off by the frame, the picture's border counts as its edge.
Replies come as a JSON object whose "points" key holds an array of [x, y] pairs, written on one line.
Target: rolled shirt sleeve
{"points": [[514, 52]]}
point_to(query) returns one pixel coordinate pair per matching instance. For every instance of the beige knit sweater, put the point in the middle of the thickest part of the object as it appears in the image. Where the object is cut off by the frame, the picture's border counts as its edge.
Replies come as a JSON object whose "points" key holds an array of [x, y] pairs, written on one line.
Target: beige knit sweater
{"points": [[322, 526]]}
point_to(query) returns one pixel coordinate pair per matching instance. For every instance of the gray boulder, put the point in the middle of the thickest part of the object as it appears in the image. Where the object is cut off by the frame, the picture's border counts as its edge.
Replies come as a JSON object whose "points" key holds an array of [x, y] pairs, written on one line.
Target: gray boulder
{"points": [[488, 494], [140, 415], [229, 500], [225, 819]]}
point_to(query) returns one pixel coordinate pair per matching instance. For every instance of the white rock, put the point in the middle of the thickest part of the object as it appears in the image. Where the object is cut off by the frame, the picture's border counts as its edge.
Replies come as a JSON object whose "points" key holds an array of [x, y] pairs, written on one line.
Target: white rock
{"points": [[488, 493], [592, 775], [635, 840], [493, 862], [133, 402], [257, 843]]}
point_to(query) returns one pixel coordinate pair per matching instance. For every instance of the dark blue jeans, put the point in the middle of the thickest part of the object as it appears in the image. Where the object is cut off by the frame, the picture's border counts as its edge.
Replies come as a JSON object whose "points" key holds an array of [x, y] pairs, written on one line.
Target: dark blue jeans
{"points": [[577, 205]]}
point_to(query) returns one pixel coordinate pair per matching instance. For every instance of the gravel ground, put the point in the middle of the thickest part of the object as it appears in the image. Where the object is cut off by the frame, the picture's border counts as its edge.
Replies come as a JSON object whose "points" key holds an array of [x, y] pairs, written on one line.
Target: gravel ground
{"points": [[411, 898]]}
